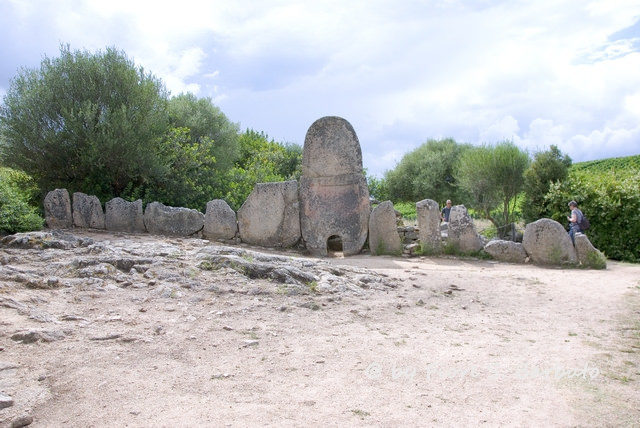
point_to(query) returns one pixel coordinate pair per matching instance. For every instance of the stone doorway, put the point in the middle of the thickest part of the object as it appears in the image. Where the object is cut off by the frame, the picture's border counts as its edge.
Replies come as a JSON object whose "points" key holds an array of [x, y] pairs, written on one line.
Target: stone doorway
{"points": [[334, 246]]}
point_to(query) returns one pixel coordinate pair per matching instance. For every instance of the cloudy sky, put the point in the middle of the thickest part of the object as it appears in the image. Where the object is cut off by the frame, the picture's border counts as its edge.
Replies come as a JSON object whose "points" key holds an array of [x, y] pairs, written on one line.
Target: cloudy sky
{"points": [[537, 72]]}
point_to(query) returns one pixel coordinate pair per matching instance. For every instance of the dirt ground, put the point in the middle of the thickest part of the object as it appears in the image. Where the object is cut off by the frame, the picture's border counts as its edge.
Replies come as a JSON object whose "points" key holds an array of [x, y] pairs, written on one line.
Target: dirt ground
{"points": [[444, 342]]}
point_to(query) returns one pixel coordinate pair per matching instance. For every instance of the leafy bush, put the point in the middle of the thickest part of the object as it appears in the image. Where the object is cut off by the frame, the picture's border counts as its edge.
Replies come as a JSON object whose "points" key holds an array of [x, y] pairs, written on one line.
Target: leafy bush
{"points": [[408, 210], [16, 215], [611, 201]]}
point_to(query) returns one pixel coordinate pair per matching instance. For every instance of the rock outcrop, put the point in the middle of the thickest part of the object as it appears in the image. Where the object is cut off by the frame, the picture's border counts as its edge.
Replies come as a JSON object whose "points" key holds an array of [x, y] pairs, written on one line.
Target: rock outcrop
{"points": [[164, 220], [428, 213], [87, 211], [220, 222], [57, 209], [270, 216], [334, 197], [506, 251], [546, 242], [383, 232], [123, 216], [462, 234]]}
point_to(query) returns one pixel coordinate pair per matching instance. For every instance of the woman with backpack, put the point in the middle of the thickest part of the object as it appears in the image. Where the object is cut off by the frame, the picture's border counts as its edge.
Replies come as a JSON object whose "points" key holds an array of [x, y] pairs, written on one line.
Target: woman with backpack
{"points": [[575, 220]]}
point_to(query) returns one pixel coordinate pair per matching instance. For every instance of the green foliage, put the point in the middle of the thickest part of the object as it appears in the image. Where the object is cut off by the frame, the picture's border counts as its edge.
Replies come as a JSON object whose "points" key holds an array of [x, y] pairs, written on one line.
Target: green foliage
{"points": [[87, 122], [426, 172], [261, 160], [378, 188], [611, 201], [621, 164], [548, 167], [492, 176], [16, 215], [408, 210], [595, 260], [207, 125]]}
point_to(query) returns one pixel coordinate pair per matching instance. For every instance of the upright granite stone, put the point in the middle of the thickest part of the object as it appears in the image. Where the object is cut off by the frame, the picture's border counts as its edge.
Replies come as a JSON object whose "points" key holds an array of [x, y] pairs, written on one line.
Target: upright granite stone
{"points": [[546, 242], [383, 232], [160, 219], [220, 222], [506, 251], [457, 212], [87, 211], [428, 212], [123, 216], [270, 217], [334, 196], [588, 255], [57, 209], [462, 233]]}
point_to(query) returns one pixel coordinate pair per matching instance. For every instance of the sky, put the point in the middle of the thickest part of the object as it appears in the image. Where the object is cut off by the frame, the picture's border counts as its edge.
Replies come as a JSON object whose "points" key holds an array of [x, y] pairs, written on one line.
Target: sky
{"points": [[537, 72]]}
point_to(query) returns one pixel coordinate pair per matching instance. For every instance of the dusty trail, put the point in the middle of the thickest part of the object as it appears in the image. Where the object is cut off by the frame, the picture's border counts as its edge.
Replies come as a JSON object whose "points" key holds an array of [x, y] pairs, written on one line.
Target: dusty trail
{"points": [[426, 341]]}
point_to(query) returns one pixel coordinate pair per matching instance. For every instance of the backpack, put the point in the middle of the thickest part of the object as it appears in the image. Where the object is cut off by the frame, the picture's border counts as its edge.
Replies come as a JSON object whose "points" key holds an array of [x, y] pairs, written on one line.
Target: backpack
{"points": [[584, 223]]}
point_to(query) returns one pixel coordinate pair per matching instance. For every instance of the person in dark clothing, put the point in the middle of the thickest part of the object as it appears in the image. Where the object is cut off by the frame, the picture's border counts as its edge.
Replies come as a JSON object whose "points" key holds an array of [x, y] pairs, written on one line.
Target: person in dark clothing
{"points": [[446, 211], [574, 220]]}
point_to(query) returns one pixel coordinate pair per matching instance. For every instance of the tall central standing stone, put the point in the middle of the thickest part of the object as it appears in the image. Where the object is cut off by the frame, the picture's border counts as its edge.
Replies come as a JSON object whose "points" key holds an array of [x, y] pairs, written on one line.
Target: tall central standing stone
{"points": [[334, 197]]}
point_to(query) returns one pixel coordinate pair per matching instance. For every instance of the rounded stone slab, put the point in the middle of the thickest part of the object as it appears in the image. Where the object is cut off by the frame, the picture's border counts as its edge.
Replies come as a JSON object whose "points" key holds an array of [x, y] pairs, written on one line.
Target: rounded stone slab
{"points": [[123, 216], [462, 232], [161, 219], [270, 217], [87, 211], [334, 197], [331, 148], [383, 232], [219, 221], [57, 209], [428, 213], [506, 251], [588, 255], [547, 242]]}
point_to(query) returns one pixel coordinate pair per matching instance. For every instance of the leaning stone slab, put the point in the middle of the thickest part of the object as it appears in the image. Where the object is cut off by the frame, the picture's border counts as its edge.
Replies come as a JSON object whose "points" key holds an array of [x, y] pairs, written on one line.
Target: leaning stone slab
{"points": [[506, 251], [270, 217], [462, 233], [160, 219], [219, 221], [546, 242], [123, 216], [57, 209], [383, 232], [588, 255], [428, 213], [87, 211], [334, 197]]}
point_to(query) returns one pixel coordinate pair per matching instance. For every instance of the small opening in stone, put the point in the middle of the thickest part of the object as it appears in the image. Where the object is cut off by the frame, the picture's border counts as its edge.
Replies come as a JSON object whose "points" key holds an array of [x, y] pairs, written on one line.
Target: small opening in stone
{"points": [[334, 245]]}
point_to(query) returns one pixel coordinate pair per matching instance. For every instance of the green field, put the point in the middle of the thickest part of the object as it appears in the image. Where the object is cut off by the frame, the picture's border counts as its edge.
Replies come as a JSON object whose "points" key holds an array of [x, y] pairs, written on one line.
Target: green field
{"points": [[621, 164]]}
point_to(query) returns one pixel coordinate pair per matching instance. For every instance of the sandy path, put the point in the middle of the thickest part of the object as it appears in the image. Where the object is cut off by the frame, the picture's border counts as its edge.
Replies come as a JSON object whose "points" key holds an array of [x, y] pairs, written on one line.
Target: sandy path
{"points": [[456, 343]]}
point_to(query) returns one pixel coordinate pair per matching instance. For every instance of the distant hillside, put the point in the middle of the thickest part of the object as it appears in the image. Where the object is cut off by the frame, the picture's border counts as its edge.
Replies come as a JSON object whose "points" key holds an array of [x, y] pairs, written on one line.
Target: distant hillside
{"points": [[622, 164]]}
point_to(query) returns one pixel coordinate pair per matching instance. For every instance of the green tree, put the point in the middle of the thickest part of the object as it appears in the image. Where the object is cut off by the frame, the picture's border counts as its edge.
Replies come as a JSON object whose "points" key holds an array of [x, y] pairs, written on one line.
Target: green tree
{"points": [[493, 176], [206, 121], [88, 122], [427, 172], [550, 166]]}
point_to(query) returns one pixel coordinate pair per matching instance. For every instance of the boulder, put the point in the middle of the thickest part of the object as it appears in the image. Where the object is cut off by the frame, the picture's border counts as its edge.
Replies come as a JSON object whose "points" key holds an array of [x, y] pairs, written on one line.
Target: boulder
{"points": [[160, 219], [219, 221], [588, 255], [428, 212], [270, 217], [57, 209], [123, 216], [506, 251], [334, 197], [383, 232], [461, 233], [546, 242], [87, 211]]}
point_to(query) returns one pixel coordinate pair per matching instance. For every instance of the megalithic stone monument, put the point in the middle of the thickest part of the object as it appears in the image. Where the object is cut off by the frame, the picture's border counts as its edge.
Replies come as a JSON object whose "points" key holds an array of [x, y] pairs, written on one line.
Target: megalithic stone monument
{"points": [[334, 197]]}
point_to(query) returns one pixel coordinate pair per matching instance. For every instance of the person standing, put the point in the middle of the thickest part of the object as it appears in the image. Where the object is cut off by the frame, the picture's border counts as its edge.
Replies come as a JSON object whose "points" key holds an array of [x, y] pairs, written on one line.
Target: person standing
{"points": [[574, 220], [446, 211]]}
